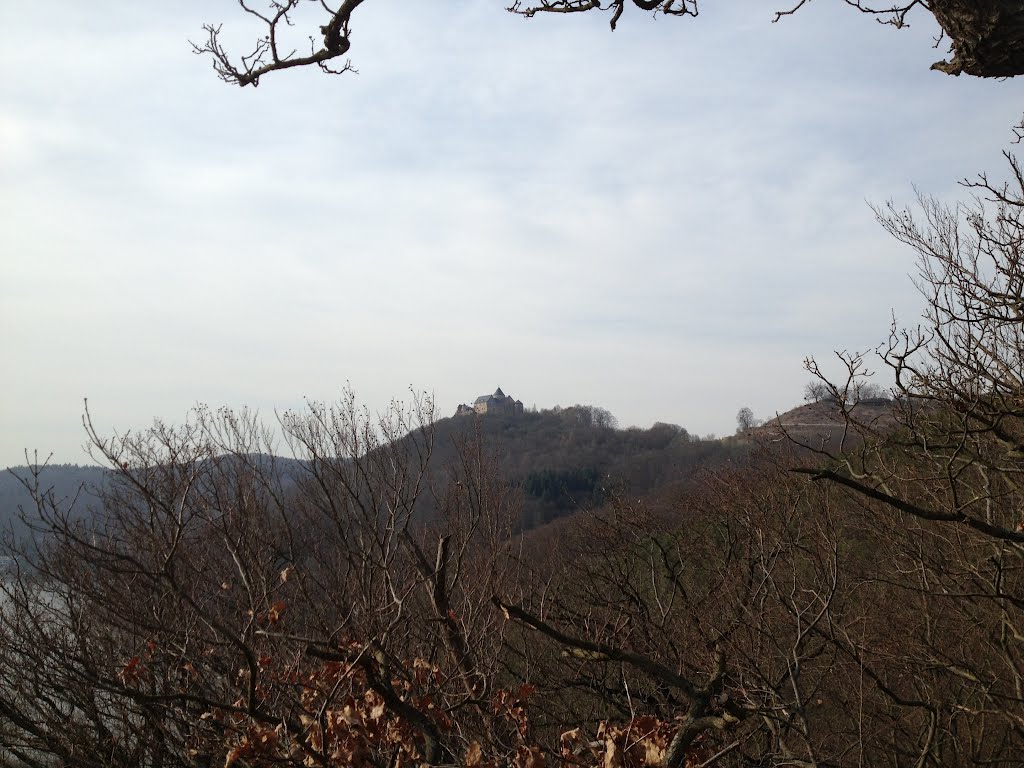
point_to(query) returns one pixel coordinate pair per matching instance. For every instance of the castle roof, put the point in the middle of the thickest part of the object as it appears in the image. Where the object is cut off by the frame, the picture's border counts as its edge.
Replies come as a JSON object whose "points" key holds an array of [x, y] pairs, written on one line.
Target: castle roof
{"points": [[498, 395]]}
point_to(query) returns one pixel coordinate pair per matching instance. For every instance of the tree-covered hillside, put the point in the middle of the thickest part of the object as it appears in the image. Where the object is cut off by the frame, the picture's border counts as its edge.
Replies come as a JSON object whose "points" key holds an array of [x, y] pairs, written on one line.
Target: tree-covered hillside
{"points": [[567, 459]]}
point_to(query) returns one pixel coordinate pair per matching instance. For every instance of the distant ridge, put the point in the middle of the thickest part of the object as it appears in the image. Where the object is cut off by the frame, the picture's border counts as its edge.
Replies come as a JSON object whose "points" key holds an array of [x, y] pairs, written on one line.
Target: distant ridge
{"points": [[66, 482], [823, 423]]}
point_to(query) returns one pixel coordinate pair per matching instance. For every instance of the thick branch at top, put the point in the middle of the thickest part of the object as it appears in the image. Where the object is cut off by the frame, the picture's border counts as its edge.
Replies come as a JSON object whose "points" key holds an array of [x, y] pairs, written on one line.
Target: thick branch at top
{"points": [[666, 7], [267, 55], [986, 36]]}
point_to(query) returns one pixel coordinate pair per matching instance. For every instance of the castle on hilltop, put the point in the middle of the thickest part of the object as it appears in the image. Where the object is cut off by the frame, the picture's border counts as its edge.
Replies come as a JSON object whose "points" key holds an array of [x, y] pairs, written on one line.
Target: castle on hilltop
{"points": [[498, 403]]}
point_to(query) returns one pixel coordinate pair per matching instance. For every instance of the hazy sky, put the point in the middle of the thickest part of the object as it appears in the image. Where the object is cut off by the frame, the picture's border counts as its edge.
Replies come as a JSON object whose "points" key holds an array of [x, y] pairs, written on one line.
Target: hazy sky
{"points": [[664, 220]]}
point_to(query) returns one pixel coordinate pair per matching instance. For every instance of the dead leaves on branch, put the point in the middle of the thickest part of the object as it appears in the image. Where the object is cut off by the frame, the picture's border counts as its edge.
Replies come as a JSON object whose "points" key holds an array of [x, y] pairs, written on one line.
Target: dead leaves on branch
{"points": [[637, 743], [360, 730], [356, 731]]}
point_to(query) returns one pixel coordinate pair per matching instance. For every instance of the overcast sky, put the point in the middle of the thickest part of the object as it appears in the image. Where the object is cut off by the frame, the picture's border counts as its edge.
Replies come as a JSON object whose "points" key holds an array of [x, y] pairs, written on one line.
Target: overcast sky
{"points": [[663, 221]]}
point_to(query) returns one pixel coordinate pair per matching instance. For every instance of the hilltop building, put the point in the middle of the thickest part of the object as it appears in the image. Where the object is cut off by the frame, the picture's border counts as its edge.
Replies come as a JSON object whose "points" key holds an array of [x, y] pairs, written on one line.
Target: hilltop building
{"points": [[498, 403]]}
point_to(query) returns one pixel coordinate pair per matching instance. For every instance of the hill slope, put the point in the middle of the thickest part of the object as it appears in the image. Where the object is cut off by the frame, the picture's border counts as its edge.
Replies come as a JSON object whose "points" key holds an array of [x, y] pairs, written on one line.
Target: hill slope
{"points": [[565, 459], [822, 423]]}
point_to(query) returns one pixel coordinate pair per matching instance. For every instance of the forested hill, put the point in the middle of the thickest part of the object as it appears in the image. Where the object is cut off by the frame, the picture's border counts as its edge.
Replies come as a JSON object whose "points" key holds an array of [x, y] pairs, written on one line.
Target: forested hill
{"points": [[563, 460], [566, 459]]}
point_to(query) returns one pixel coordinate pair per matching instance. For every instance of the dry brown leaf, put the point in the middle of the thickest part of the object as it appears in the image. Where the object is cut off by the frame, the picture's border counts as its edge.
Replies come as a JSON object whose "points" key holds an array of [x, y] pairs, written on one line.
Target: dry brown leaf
{"points": [[529, 757], [612, 754], [474, 755]]}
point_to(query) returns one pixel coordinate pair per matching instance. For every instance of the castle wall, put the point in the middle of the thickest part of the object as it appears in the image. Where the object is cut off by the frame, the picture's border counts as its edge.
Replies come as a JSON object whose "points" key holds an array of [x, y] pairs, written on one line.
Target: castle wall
{"points": [[503, 405]]}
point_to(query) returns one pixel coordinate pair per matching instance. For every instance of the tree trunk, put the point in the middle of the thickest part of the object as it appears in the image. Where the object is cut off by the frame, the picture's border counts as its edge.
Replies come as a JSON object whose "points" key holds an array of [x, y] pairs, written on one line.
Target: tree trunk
{"points": [[987, 36]]}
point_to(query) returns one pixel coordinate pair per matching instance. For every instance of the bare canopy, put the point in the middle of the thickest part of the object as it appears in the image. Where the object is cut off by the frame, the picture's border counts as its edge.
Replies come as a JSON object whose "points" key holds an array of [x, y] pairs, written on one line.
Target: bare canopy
{"points": [[986, 36]]}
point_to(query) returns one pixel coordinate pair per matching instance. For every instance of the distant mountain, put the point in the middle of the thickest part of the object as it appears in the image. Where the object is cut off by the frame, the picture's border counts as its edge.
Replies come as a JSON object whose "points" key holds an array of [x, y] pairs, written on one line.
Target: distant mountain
{"points": [[68, 483]]}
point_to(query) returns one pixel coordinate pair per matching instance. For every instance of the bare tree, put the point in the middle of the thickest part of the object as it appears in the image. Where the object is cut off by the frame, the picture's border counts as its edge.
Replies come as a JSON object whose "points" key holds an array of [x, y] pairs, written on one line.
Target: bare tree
{"points": [[941, 487], [708, 633], [232, 606], [959, 376], [815, 392], [357, 604], [745, 420]]}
